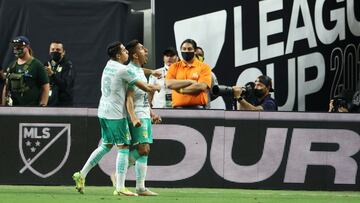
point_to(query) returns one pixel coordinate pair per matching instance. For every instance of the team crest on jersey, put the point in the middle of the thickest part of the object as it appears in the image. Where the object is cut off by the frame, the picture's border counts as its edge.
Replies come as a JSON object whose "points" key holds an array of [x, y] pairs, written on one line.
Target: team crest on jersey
{"points": [[44, 147], [59, 69], [195, 76]]}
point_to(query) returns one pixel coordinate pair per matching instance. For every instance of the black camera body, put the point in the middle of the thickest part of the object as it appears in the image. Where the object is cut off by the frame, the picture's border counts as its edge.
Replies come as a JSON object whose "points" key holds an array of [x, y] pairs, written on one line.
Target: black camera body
{"points": [[223, 90], [339, 102]]}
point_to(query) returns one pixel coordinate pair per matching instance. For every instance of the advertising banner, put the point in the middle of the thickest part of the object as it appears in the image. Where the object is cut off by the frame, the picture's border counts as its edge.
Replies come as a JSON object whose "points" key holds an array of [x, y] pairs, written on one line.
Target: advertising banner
{"points": [[192, 148], [310, 48]]}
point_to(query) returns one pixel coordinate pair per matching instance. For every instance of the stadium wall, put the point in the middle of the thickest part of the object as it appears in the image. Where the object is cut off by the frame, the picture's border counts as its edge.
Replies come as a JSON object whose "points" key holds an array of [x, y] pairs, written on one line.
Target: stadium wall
{"points": [[192, 148], [310, 48]]}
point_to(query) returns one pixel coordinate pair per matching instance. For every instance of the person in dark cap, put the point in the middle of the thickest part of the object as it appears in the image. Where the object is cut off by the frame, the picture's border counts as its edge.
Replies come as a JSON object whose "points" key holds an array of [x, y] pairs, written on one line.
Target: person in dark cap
{"points": [[27, 83], [262, 101], [162, 99]]}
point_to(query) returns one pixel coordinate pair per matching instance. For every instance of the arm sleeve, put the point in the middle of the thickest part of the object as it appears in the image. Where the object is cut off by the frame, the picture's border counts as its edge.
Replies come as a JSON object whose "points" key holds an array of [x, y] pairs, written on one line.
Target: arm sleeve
{"points": [[129, 76], [41, 73], [152, 80], [205, 76], [269, 105], [171, 74]]}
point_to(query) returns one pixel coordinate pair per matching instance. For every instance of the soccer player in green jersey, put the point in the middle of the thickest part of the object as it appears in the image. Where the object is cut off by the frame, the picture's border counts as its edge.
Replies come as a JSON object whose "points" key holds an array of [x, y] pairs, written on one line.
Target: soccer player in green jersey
{"points": [[112, 114], [140, 117]]}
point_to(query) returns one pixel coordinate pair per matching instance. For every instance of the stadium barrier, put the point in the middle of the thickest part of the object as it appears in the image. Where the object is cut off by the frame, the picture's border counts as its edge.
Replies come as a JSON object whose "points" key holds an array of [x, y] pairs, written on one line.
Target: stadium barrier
{"points": [[192, 148]]}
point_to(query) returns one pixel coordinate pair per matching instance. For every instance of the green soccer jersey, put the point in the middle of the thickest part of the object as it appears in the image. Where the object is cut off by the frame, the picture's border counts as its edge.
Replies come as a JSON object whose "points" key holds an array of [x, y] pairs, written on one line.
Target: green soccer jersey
{"points": [[114, 82], [141, 102]]}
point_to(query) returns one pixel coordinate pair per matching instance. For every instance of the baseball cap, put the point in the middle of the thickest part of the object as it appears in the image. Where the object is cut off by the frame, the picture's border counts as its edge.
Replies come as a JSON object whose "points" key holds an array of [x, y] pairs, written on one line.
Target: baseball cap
{"points": [[266, 80], [170, 51], [21, 40]]}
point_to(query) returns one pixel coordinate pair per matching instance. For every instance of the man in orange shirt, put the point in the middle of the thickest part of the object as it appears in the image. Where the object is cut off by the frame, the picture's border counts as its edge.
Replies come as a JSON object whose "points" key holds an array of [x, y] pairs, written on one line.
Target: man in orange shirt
{"points": [[189, 79]]}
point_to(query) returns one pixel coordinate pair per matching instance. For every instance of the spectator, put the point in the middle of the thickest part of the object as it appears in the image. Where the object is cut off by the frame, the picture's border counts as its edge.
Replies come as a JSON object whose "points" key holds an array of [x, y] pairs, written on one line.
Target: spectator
{"points": [[61, 74], [162, 99], [200, 55], [27, 83], [262, 100], [189, 79]]}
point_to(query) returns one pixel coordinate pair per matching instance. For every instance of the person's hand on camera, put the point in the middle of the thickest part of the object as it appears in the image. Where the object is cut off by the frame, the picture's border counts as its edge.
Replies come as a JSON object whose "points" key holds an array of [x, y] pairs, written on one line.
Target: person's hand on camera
{"points": [[331, 105], [237, 91]]}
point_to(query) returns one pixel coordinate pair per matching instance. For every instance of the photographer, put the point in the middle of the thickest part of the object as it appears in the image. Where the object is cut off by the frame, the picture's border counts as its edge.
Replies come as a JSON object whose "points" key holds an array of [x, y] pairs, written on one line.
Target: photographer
{"points": [[338, 105], [342, 103], [262, 100]]}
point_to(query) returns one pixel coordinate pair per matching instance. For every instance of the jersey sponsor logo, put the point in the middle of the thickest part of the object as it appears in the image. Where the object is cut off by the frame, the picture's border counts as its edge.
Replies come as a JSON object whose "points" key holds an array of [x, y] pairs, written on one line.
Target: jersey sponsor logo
{"points": [[44, 147]]}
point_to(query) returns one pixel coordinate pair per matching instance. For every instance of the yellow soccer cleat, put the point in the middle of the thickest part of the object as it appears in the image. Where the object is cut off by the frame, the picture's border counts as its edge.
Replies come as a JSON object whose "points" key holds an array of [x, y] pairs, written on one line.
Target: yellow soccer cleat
{"points": [[124, 191], [79, 182], [146, 192]]}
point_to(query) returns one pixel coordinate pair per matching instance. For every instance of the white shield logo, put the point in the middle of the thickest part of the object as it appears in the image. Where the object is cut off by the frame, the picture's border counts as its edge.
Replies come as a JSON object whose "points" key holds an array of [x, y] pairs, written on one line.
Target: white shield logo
{"points": [[38, 141]]}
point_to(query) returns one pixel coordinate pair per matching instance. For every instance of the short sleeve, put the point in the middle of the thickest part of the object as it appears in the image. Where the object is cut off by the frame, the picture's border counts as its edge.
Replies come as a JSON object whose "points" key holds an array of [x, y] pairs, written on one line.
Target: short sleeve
{"points": [[205, 76], [171, 74], [42, 75], [269, 105], [152, 80], [129, 76]]}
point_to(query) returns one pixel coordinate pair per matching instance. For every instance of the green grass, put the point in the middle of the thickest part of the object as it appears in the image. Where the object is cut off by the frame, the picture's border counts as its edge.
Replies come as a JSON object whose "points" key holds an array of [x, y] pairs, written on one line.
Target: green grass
{"points": [[65, 194]]}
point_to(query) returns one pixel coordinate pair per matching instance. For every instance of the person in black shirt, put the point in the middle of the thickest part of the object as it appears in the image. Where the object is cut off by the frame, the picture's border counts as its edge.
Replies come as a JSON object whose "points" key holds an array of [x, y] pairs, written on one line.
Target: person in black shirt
{"points": [[262, 100], [62, 75]]}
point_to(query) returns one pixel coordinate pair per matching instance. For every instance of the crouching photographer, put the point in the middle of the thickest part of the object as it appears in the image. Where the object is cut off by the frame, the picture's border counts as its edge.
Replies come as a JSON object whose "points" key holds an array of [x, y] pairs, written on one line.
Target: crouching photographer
{"points": [[253, 96], [338, 104], [344, 102]]}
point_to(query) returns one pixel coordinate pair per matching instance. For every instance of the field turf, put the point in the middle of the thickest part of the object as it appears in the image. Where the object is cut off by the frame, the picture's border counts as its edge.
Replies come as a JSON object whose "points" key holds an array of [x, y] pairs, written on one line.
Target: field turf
{"points": [[65, 194]]}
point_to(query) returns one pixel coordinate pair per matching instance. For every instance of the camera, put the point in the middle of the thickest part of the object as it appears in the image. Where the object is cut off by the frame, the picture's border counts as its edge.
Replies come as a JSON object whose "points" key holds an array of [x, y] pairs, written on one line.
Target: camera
{"points": [[223, 90], [339, 102]]}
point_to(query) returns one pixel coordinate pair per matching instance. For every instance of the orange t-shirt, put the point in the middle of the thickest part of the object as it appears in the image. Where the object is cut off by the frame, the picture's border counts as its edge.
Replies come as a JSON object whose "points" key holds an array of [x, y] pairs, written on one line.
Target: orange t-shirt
{"points": [[198, 71]]}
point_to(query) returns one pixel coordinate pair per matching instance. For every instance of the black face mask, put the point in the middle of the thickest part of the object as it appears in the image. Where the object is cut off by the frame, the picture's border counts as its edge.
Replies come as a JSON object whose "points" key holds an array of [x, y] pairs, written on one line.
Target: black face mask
{"points": [[259, 93], [188, 56], [55, 56], [19, 52]]}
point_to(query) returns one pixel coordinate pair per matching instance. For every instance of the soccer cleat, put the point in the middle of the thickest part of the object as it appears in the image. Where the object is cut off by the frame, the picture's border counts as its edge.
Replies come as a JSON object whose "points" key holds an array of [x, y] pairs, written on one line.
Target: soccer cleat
{"points": [[146, 192], [79, 182], [124, 191]]}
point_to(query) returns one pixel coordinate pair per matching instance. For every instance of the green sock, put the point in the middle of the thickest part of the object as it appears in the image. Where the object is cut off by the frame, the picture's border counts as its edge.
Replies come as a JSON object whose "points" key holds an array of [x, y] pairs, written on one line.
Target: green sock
{"points": [[121, 168], [94, 158], [140, 170]]}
